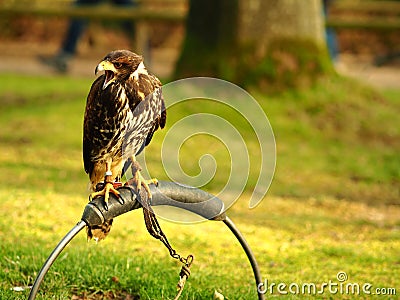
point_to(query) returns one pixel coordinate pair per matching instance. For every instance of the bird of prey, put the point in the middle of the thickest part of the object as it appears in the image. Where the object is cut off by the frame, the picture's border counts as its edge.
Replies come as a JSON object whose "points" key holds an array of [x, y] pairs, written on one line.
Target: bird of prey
{"points": [[124, 108]]}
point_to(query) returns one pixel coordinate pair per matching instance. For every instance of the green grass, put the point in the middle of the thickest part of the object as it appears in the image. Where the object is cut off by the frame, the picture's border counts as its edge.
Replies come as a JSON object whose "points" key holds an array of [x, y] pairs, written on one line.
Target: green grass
{"points": [[333, 204], [341, 138]]}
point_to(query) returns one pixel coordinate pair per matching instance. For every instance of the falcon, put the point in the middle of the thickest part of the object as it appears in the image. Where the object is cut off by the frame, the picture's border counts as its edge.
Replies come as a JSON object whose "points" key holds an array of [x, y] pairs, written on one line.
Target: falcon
{"points": [[124, 108]]}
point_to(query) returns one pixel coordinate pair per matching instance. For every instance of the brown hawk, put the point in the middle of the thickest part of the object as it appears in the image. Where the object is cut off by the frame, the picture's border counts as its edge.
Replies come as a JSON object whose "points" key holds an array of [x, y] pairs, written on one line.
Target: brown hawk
{"points": [[124, 108]]}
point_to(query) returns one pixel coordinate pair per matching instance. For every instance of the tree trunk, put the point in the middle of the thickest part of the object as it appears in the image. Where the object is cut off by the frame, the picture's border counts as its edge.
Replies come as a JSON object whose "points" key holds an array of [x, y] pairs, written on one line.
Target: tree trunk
{"points": [[209, 32], [264, 21], [273, 44]]}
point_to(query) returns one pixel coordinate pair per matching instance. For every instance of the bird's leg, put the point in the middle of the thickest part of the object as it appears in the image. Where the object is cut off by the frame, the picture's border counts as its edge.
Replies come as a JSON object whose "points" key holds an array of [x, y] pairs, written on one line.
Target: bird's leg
{"points": [[152, 225], [108, 187], [138, 181]]}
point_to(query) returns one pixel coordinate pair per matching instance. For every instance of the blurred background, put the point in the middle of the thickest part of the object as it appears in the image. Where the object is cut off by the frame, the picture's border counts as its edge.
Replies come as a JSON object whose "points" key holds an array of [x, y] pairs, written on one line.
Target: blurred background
{"points": [[300, 70], [365, 33]]}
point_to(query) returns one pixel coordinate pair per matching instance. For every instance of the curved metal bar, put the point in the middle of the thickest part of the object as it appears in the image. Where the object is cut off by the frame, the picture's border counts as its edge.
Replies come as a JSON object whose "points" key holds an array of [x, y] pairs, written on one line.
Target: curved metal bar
{"points": [[189, 198], [249, 254], [57, 250], [166, 193]]}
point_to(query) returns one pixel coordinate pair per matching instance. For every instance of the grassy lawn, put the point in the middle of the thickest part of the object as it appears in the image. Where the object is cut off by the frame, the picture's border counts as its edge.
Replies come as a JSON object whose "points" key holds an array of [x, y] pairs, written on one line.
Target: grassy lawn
{"points": [[333, 205]]}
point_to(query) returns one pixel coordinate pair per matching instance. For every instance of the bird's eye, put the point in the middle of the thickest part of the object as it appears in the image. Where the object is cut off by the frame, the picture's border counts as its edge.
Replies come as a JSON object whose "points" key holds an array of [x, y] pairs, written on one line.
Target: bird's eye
{"points": [[117, 65]]}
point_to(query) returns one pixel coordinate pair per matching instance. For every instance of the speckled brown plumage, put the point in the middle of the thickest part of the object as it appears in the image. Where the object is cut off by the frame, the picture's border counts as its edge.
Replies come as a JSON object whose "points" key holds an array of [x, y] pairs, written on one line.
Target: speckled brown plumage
{"points": [[123, 110]]}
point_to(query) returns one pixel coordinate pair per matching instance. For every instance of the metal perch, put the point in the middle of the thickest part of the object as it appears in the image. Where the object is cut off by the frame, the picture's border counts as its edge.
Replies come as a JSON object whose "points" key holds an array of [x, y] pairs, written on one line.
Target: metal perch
{"points": [[166, 193]]}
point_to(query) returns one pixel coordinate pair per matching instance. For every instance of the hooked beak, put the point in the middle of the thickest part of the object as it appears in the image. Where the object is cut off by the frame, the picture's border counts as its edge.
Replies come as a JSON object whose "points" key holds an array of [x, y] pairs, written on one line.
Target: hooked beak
{"points": [[110, 71]]}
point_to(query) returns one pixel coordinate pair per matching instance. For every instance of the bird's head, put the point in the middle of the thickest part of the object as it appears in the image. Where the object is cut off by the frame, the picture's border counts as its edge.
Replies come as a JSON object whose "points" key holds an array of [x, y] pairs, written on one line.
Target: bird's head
{"points": [[119, 65]]}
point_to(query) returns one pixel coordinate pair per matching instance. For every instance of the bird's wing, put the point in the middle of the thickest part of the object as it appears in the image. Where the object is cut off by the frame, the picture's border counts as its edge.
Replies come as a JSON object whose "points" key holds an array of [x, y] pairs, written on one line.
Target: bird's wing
{"points": [[159, 121], [87, 124], [145, 95], [158, 99]]}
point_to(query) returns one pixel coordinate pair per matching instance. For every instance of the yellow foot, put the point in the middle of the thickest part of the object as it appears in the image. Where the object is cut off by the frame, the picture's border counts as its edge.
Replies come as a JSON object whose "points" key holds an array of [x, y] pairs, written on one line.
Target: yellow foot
{"points": [[108, 187], [138, 181], [146, 182]]}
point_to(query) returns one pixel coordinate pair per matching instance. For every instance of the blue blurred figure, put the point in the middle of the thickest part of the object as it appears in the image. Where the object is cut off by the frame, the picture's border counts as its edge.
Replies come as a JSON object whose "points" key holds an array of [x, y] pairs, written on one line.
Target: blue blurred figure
{"points": [[75, 30], [331, 40]]}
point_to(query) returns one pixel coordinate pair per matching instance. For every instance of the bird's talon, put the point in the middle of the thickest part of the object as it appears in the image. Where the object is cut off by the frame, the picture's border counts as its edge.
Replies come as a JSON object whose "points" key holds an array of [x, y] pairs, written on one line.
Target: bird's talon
{"points": [[107, 188], [120, 200]]}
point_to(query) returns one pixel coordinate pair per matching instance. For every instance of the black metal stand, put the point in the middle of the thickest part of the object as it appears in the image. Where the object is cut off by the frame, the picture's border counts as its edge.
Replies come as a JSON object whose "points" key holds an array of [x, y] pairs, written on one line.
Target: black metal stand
{"points": [[166, 193]]}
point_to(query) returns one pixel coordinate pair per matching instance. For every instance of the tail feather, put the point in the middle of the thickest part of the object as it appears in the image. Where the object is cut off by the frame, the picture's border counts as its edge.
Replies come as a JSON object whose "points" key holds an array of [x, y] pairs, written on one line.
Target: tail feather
{"points": [[99, 232]]}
